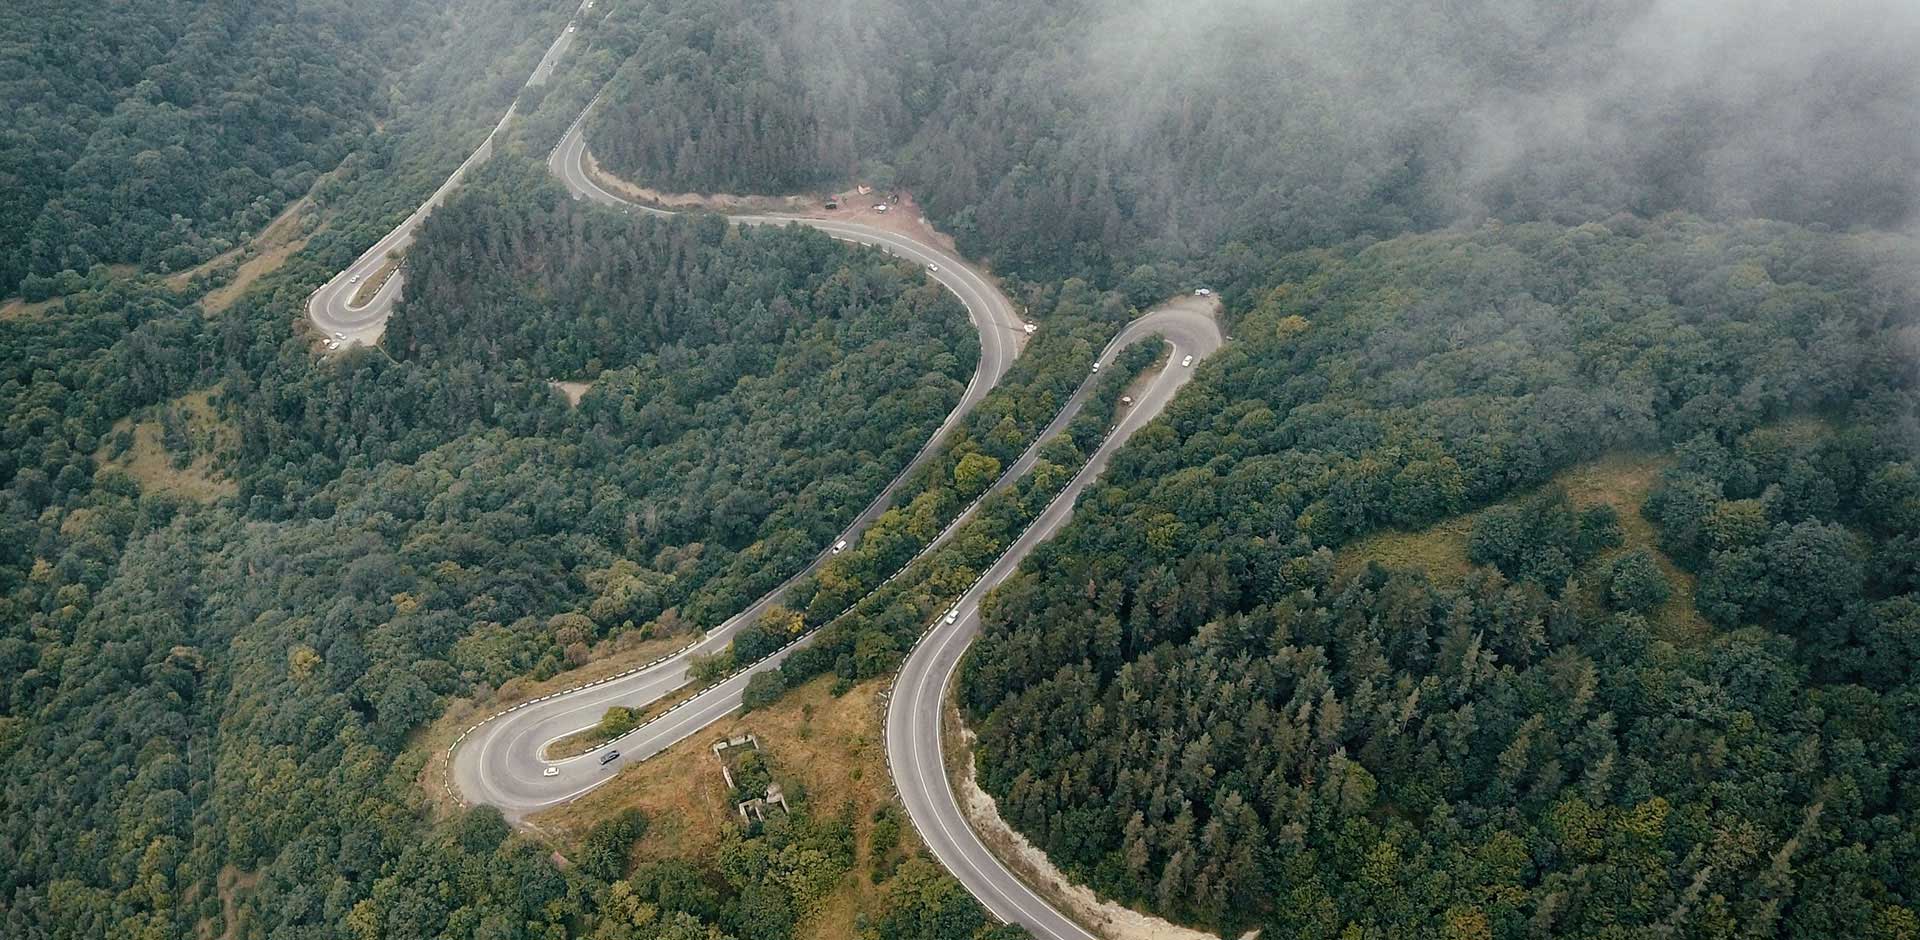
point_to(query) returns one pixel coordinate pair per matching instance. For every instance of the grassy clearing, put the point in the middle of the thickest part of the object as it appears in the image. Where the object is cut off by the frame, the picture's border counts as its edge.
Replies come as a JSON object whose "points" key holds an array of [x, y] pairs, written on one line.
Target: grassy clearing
{"points": [[372, 285], [262, 255], [581, 742], [1622, 481], [232, 883], [573, 390], [429, 745], [1440, 550], [17, 309], [824, 751], [152, 465]]}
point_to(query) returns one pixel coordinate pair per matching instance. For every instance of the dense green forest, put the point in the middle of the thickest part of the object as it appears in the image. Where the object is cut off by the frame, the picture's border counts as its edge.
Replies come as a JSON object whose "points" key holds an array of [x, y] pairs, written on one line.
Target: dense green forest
{"points": [[1094, 137], [192, 689], [1181, 702], [1465, 248], [160, 133], [712, 101]]}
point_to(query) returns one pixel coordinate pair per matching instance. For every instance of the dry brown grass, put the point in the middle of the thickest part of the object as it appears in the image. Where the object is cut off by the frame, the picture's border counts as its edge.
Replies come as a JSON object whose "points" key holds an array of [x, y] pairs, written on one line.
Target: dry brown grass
{"points": [[231, 883], [581, 742], [372, 285], [827, 750], [150, 465], [18, 309], [1621, 480], [609, 657], [573, 390], [1439, 550], [265, 253]]}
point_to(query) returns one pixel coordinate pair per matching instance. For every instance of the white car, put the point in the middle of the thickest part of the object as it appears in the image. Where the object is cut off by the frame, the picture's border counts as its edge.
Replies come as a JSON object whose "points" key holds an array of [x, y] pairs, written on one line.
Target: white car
{"points": [[933, 267], [1202, 292], [354, 279], [953, 615], [333, 344], [1188, 362], [339, 335], [551, 771], [569, 29], [880, 207], [1096, 367], [1029, 328], [840, 546]]}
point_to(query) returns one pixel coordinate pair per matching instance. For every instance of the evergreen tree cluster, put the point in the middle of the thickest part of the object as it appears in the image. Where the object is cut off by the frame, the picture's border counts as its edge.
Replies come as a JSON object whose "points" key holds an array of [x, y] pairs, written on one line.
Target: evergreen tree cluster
{"points": [[1181, 701]]}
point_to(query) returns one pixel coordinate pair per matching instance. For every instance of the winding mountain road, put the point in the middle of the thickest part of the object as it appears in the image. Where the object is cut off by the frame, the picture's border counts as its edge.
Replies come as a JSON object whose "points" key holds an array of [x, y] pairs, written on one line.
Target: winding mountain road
{"points": [[503, 764], [499, 761], [333, 309], [914, 748]]}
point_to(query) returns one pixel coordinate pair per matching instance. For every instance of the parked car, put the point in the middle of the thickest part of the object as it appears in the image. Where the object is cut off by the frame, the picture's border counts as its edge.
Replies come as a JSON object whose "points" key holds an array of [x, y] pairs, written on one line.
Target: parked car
{"points": [[1096, 366], [840, 546], [1202, 292]]}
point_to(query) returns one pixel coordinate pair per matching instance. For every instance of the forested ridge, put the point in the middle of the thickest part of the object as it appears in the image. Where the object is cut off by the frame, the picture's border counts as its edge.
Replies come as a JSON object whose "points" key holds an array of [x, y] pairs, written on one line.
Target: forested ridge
{"points": [[232, 686], [1180, 701], [1113, 138], [1465, 249], [160, 134]]}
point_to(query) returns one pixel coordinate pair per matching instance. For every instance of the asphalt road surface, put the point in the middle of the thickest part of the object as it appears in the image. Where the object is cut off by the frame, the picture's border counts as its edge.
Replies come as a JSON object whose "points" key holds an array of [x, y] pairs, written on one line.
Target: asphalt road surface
{"points": [[914, 749], [500, 762], [332, 307]]}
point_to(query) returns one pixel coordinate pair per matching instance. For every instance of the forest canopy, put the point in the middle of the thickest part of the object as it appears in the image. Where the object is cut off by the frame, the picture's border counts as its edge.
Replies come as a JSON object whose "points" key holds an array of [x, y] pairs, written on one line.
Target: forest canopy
{"points": [[1181, 701], [1090, 137], [1467, 252]]}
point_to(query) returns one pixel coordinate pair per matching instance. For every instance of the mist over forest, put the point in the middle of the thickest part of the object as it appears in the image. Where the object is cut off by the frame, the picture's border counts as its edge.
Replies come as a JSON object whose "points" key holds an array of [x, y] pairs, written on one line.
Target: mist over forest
{"points": [[1103, 126], [1537, 556]]}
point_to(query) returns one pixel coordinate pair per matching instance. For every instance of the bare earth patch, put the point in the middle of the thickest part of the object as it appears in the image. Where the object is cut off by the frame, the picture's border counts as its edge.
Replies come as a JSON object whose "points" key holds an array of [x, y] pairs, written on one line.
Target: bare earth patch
{"points": [[903, 216], [573, 390], [1622, 481], [1106, 919], [151, 465], [264, 254], [372, 285], [827, 752]]}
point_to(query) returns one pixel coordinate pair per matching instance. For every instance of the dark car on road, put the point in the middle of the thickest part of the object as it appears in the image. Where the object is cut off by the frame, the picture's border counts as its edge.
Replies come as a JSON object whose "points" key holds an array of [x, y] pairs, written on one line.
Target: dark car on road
{"points": [[609, 757]]}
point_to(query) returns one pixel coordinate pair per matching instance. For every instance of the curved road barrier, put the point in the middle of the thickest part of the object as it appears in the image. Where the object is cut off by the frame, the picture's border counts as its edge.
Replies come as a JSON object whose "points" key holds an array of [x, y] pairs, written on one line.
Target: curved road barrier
{"points": [[914, 748], [499, 759], [332, 306]]}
